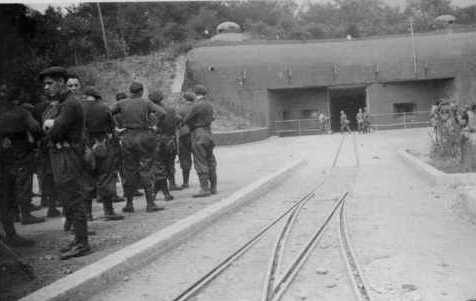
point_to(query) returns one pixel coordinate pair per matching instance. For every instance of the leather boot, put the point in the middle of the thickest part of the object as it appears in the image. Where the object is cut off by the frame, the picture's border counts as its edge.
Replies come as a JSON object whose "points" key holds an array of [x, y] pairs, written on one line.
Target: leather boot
{"points": [[204, 191], [213, 181], [173, 186], [185, 176], [80, 247], [150, 196], [129, 205], [109, 214], [165, 190]]}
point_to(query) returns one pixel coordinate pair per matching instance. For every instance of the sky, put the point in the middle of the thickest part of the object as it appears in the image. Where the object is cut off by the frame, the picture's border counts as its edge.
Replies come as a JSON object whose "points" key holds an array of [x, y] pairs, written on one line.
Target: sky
{"points": [[41, 5]]}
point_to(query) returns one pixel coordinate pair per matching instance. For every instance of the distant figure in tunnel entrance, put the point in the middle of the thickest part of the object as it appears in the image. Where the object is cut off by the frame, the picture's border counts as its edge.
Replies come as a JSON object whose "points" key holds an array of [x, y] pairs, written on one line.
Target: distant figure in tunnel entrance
{"points": [[367, 121], [344, 122], [324, 123], [360, 121]]}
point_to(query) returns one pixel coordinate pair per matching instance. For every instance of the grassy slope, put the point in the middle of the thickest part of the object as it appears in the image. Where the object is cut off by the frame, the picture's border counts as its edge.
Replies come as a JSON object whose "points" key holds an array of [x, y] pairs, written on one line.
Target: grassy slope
{"points": [[155, 71]]}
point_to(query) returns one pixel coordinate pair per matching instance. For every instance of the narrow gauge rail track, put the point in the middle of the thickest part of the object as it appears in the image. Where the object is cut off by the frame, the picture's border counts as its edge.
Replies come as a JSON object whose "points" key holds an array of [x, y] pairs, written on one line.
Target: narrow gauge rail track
{"points": [[275, 287]]}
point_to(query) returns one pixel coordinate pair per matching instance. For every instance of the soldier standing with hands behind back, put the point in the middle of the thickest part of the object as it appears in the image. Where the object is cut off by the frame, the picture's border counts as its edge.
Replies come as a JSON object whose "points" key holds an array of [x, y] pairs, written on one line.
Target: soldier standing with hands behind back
{"points": [[185, 143], [138, 145], [199, 121]]}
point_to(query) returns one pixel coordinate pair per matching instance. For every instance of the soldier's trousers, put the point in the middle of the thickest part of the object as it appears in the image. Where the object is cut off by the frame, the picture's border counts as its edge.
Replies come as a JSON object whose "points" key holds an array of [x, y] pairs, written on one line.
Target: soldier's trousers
{"points": [[7, 197], [185, 152], [68, 172], [166, 152], [45, 172], [104, 175], [202, 147], [16, 169], [138, 160]]}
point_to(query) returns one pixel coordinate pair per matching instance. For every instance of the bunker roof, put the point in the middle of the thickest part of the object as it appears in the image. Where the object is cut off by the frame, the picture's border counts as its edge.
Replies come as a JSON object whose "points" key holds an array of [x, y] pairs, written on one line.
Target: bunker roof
{"points": [[384, 51]]}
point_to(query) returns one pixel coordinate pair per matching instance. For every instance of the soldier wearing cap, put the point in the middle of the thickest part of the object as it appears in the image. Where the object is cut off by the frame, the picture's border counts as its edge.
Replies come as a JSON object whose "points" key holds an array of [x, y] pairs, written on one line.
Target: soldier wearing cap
{"points": [[74, 85], [166, 147], [64, 127], [199, 120], [99, 129], [185, 143], [138, 145], [16, 154]]}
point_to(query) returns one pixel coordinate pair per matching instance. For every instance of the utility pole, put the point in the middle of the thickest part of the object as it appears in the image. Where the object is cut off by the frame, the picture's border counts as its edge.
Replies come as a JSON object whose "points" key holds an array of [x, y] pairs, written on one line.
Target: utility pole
{"points": [[413, 47], [103, 30]]}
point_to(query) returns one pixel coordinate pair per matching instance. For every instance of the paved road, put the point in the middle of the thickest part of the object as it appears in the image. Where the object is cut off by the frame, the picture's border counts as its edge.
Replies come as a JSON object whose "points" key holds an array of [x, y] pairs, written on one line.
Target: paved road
{"points": [[411, 239]]}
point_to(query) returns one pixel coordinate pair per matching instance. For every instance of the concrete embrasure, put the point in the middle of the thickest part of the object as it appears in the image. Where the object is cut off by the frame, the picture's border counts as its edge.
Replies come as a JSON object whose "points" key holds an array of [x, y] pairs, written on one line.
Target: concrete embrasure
{"points": [[435, 176], [90, 279]]}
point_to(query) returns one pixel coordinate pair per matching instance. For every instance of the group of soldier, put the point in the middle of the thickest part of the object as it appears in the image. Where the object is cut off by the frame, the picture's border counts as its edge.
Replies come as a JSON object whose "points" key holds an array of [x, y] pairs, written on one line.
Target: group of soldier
{"points": [[454, 131], [81, 147], [363, 119]]}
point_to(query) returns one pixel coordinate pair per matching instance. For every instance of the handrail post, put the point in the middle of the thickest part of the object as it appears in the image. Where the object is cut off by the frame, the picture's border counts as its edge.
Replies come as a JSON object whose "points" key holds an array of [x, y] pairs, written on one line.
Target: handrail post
{"points": [[299, 126], [404, 120]]}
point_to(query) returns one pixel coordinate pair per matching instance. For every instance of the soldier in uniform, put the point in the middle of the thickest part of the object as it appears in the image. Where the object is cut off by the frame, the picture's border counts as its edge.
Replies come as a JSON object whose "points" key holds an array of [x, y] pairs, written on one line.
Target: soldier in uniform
{"points": [[75, 87], [199, 121], [185, 143], [138, 145], [166, 149], [64, 126], [99, 128], [344, 122], [15, 153], [119, 155], [45, 173], [360, 121], [18, 156]]}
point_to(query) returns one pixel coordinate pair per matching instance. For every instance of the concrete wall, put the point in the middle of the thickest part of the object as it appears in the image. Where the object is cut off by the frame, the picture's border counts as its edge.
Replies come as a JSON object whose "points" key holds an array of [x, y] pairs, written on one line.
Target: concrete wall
{"points": [[241, 136], [381, 97], [295, 101], [464, 90]]}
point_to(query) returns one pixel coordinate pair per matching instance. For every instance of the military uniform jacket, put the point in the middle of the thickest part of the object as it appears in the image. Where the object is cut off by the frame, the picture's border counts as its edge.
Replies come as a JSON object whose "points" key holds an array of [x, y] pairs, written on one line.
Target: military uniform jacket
{"points": [[98, 118], [170, 123], [15, 121], [136, 112], [200, 116], [69, 120]]}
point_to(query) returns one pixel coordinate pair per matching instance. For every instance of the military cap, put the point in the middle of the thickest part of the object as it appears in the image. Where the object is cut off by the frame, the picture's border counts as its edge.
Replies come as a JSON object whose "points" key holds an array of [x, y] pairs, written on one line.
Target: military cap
{"points": [[200, 90], [156, 96], [188, 96], [136, 87], [91, 91], [54, 71], [121, 95]]}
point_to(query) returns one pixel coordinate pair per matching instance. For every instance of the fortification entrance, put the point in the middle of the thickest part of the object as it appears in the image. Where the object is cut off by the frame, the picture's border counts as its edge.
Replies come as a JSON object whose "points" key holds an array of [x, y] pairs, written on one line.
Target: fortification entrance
{"points": [[347, 99]]}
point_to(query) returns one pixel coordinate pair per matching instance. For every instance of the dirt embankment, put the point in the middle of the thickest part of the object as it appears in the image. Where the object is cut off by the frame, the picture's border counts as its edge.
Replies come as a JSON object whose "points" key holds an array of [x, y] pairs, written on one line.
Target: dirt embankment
{"points": [[161, 70]]}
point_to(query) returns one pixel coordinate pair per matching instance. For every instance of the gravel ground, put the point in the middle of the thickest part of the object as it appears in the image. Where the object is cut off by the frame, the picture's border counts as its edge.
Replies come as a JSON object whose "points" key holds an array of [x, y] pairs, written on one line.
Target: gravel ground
{"points": [[412, 240], [237, 167]]}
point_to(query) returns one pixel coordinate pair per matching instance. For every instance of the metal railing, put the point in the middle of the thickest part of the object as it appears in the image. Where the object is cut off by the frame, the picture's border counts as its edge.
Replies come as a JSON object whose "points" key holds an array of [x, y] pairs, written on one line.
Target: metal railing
{"points": [[300, 126], [400, 120], [378, 122]]}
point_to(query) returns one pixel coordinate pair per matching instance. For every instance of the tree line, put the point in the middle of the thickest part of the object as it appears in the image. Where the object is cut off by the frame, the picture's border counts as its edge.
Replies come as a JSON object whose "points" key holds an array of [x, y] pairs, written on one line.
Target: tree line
{"points": [[32, 40]]}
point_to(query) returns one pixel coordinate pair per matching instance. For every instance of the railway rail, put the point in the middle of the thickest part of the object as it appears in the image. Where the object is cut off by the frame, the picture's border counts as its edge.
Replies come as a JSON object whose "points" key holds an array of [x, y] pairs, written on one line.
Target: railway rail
{"points": [[276, 283]]}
